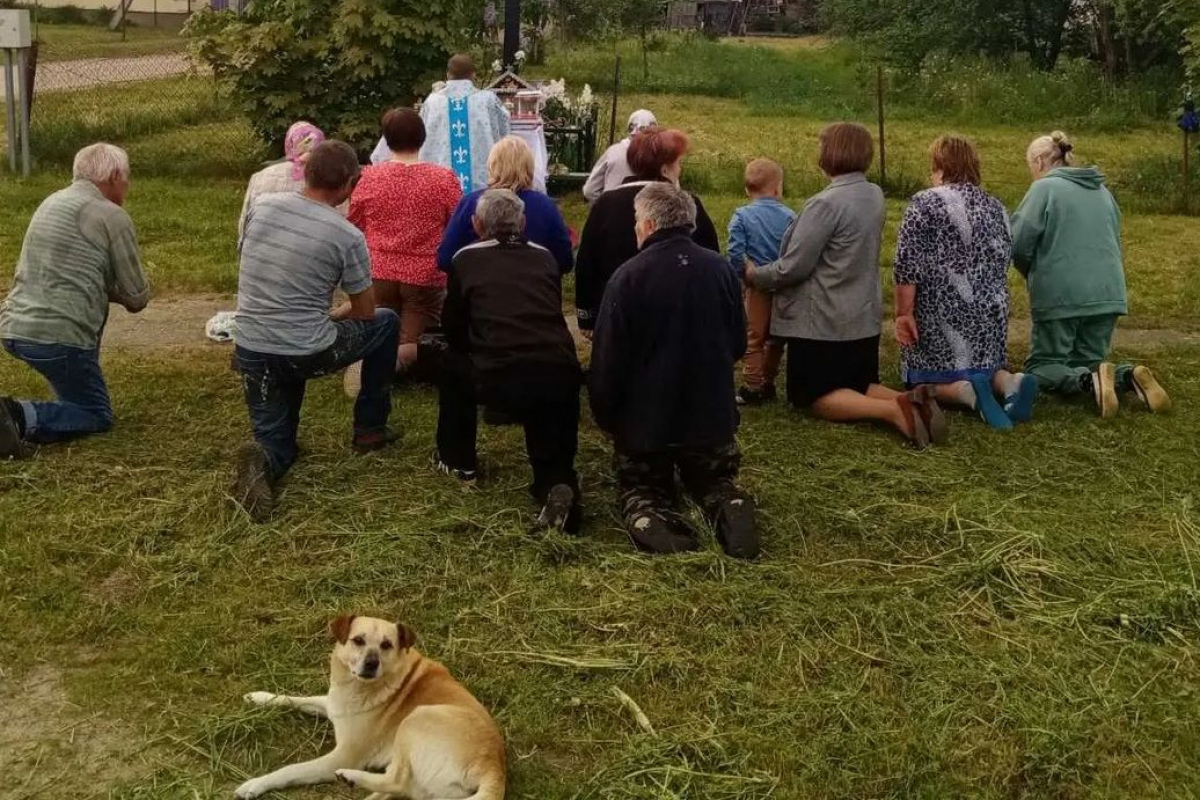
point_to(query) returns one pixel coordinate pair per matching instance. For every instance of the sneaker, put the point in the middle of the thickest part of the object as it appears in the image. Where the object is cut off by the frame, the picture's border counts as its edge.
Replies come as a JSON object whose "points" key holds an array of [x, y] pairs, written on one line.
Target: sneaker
{"points": [[987, 406], [252, 489], [1104, 390], [364, 443], [1147, 387], [736, 529], [352, 380], [653, 534], [755, 397], [930, 413], [467, 476], [561, 511], [12, 443], [1019, 405]]}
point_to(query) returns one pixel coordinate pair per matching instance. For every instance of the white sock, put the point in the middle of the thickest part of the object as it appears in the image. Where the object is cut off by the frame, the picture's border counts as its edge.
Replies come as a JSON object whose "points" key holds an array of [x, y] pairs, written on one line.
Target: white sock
{"points": [[1012, 384], [966, 395]]}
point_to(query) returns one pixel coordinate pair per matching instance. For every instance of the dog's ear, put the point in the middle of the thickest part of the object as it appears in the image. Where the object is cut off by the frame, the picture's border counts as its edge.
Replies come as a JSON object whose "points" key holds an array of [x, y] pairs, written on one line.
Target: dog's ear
{"points": [[407, 637], [339, 629]]}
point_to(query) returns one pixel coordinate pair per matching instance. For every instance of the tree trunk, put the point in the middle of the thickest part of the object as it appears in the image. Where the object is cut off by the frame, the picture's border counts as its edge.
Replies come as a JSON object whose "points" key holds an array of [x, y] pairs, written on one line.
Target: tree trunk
{"points": [[1058, 29], [1031, 42], [1106, 48]]}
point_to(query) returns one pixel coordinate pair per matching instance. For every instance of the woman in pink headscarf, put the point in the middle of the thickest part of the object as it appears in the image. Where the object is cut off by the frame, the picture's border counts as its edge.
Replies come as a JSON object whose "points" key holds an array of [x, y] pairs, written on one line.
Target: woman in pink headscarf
{"points": [[287, 175]]}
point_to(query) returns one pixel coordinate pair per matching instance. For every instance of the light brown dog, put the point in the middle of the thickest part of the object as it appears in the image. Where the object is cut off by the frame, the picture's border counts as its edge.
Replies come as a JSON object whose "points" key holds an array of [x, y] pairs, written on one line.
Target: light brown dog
{"points": [[394, 710]]}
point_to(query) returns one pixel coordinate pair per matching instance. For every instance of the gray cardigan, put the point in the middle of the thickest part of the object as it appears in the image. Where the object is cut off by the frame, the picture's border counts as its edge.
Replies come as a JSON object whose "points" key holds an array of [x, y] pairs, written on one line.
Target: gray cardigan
{"points": [[826, 281]]}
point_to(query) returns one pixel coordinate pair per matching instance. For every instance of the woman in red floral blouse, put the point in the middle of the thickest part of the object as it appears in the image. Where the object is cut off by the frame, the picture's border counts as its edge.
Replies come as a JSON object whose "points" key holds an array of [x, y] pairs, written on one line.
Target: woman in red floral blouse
{"points": [[403, 207]]}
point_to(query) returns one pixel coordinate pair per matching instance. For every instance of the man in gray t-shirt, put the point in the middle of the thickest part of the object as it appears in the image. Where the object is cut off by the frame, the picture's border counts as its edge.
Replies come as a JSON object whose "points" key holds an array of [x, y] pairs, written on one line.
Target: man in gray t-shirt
{"points": [[295, 251]]}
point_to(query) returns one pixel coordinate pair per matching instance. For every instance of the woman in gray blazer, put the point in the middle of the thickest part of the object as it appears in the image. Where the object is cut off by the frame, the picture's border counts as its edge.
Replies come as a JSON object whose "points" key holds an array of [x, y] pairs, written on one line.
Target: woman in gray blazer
{"points": [[829, 303]]}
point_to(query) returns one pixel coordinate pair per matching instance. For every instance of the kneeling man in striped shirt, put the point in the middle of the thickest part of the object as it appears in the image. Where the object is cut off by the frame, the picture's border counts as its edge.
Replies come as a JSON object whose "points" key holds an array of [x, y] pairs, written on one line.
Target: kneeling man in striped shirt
{"points": [[296, 249]]}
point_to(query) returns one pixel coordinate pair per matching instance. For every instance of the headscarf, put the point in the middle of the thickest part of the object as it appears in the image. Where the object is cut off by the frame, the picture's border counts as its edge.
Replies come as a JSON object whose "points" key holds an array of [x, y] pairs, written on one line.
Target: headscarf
{"points": [[300, 140]]}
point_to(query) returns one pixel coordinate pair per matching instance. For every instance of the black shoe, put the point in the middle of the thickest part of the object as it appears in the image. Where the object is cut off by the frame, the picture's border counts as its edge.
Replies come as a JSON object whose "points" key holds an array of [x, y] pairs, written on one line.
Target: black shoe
{"points": [[736, 529], [252, 489], [755, 397], [653, 534], [466, 476], [12, 429], [561, 511], [364, 443]]}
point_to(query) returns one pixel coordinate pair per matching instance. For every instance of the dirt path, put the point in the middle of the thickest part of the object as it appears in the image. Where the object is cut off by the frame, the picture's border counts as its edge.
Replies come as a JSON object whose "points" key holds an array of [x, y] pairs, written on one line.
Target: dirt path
{"points": [[178, 321]]}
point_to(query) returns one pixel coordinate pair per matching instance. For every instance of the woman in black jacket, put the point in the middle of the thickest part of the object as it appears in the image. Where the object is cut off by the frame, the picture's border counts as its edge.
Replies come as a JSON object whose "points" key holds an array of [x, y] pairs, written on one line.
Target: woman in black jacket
{"points": [[608, 239]]}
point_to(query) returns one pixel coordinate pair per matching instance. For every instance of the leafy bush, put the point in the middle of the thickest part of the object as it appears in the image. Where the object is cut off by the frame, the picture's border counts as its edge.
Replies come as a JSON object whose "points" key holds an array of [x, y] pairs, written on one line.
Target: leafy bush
{"points": [[1075, 92], [338, 63]]}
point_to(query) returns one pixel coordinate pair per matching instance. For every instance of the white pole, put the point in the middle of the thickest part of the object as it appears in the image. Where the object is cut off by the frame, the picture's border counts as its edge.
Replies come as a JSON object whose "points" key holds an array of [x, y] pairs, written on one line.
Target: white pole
{"points": [[10, 104], [24, 79]]}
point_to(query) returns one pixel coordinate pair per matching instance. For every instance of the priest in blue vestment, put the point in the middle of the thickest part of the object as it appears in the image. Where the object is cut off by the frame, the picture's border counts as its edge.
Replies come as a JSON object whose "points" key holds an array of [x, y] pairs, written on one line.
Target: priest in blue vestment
{"points": [[462, 123]]}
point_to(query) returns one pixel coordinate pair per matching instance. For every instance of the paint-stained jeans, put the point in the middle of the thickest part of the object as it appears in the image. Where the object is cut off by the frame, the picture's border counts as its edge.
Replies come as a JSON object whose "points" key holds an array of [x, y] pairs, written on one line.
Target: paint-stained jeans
{"points": [[274, 385], [647, 483]]}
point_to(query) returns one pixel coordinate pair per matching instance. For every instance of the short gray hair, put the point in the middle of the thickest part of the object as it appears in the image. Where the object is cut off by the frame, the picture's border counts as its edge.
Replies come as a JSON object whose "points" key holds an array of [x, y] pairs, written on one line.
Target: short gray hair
{"points": [[666, 205], [500, 213], [97, 163]]}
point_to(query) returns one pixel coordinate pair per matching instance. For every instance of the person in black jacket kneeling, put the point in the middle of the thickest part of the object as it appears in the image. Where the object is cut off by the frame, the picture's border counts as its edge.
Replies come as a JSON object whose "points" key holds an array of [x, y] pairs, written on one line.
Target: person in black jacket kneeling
{"points": [[670, 329], [510, 350]]}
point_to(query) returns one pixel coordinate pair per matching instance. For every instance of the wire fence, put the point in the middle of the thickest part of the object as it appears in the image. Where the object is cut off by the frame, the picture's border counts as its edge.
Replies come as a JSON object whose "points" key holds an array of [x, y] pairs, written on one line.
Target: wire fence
{"points": [[134, 86]]}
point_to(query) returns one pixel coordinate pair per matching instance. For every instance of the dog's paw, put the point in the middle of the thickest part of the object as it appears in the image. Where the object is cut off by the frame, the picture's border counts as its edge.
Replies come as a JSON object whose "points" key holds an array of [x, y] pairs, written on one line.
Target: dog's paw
{"points": [[348, 776], [258, 698], [255, 787]]}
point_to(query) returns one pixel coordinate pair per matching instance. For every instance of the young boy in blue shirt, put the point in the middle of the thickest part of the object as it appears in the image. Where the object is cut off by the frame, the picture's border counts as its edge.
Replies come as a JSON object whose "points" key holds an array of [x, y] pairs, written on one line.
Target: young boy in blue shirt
{"points": [[756, 234]]}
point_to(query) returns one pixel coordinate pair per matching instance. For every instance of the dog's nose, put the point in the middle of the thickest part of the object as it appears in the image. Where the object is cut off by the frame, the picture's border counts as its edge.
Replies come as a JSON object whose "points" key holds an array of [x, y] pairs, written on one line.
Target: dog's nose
{"points": [[371, 663]]}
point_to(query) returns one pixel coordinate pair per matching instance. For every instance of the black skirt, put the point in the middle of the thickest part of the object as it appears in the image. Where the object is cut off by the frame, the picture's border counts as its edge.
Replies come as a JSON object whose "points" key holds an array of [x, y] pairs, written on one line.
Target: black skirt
{"points": [[815, 368]]}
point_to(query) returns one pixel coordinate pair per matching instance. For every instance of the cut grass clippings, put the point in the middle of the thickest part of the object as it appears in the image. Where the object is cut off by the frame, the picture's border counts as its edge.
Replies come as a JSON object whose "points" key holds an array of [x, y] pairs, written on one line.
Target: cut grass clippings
{"points": [[1010, 615]]}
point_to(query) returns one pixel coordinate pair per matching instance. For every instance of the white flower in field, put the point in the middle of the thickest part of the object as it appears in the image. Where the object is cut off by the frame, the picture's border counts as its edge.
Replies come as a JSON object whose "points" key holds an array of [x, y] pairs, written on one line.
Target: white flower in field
{"points": [[519, 56], [585, 97], [555, 90], [497, 66]]}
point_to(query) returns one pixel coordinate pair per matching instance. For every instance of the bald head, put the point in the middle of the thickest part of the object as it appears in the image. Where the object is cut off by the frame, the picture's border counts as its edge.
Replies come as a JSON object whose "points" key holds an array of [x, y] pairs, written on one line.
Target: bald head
{"points": [[460, 68]]}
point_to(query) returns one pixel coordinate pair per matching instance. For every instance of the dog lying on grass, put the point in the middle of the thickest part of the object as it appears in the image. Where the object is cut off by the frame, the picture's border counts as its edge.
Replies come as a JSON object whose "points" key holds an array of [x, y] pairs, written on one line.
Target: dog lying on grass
{"points": [[393, 710]]}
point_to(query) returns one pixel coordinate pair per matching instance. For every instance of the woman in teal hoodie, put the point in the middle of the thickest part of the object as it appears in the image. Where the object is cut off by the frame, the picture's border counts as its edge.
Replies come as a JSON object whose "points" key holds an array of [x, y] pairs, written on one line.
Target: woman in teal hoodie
{"points": [[1067, 245]]}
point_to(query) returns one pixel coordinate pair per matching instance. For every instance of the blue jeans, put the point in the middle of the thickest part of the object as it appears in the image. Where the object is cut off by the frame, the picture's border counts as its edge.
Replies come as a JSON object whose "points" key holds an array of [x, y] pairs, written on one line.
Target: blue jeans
{"points": [[274, 385], [74, 374]]}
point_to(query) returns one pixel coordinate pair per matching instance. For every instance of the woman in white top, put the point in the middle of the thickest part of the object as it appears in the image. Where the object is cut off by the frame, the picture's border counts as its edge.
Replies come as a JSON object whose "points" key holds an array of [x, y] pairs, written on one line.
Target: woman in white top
{"points": [[612, 169]]}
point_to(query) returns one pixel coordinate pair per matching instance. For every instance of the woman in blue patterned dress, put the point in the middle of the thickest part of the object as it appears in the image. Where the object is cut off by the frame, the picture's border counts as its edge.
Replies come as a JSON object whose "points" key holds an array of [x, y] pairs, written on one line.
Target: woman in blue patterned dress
{"points": [[951, 294]]}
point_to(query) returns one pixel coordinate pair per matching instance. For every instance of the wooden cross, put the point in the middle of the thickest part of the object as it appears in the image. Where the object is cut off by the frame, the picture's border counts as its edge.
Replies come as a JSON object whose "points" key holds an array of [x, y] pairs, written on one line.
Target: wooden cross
{"points": [[512, 32]]}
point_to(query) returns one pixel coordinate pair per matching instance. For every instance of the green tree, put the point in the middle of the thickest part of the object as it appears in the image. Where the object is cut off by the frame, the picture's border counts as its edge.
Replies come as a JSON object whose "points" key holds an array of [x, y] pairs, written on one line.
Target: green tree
{"points": [[338, 63]]}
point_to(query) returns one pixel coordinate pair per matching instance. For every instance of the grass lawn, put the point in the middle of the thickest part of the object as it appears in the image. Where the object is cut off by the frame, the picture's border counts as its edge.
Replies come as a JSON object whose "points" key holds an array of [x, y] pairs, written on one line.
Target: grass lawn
{"points": [[70, 42], [1011, 616]]}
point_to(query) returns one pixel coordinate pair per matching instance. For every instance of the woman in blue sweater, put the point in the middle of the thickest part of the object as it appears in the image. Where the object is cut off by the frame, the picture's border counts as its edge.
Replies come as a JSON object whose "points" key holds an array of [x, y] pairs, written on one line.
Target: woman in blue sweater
{"points": [[510, 166]]}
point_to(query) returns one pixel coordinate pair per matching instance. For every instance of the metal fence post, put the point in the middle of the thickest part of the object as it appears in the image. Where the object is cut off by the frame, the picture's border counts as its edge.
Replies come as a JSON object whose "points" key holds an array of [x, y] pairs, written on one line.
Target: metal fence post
{"points": [[26, 105], [10, 106], [882, 129]]}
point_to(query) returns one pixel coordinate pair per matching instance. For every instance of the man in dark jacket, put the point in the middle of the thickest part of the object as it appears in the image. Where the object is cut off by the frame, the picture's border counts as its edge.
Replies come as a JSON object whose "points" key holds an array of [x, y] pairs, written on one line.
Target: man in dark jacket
{"points": [[670, 329], [510, 350]]}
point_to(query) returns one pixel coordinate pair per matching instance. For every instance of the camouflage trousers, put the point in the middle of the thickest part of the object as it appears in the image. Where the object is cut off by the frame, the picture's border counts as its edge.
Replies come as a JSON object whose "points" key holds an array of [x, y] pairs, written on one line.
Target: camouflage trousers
{"points": [[649, 483]]}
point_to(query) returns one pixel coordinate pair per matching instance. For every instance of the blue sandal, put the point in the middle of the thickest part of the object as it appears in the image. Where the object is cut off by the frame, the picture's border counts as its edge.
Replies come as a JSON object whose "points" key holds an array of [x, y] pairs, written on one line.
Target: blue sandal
{"points": [[1019, 405], [987, 405]]}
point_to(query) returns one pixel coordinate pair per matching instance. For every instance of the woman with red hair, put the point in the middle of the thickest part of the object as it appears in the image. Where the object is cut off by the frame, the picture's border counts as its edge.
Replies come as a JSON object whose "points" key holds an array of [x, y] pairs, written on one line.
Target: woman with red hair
{"points": [[608, 239]]}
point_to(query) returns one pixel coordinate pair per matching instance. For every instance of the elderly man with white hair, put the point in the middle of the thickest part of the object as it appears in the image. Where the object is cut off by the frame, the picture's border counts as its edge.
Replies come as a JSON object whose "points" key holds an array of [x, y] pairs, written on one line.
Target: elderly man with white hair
{"points": [[670, 329], [511, 351], [612, 170], [80, 254]]}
